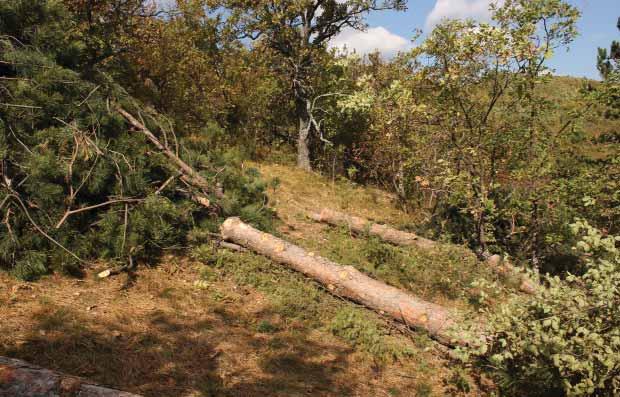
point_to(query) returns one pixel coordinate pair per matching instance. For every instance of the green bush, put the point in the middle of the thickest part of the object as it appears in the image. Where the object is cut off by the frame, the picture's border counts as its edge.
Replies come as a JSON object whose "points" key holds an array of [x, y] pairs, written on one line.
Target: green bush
{"points": [[76, 183], [566, 340]]}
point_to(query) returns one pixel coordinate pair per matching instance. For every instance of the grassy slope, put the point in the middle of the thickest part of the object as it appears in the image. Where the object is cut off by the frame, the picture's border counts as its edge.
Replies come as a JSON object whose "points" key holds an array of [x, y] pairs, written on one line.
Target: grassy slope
{"points": [[565, 92], [224, 324]]}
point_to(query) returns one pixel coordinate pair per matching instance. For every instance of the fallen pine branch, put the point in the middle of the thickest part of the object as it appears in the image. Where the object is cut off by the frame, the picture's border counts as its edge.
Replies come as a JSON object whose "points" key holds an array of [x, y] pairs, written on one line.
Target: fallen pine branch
{"points": [[188, 174], [348, 282], [398, 237], [19, 378]]}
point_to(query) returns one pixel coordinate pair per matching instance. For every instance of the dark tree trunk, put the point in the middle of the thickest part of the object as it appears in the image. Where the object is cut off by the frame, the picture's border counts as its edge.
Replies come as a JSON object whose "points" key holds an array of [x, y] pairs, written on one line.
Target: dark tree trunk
{"points": [[303, 139]]}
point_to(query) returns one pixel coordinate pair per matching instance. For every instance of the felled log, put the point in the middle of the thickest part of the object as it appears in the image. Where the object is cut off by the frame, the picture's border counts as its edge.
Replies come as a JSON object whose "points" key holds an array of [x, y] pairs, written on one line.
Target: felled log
{"points": [[361, 225], [348, 282], [397, 237], [19, 378]]}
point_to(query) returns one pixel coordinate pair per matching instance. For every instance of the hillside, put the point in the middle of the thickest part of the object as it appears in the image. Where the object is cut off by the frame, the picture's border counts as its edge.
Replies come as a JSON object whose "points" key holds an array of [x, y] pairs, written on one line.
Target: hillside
{"points": [[223, 324], [206, 199]]}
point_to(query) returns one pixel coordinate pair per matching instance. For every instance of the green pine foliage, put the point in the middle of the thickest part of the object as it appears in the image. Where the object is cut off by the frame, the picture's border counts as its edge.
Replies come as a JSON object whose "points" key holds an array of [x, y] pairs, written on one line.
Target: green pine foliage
{"points": [[77, 183]]}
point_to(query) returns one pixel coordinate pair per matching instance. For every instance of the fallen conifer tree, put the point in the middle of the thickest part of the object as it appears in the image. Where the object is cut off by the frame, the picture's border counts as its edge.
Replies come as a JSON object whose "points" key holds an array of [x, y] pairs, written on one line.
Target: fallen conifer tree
{"points": [[398, 237], [19, 378], [89, 173], [348, 282]]}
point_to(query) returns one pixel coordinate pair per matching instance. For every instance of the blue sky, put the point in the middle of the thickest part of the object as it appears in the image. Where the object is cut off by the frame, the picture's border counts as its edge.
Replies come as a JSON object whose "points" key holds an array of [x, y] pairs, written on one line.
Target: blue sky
{"points": [[391, 31]]}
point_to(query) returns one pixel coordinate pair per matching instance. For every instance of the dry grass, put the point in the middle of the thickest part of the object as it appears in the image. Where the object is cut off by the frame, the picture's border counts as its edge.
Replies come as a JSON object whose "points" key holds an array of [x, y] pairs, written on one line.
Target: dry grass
{"points": [[301, 193], [165, 337], [159, 333]]}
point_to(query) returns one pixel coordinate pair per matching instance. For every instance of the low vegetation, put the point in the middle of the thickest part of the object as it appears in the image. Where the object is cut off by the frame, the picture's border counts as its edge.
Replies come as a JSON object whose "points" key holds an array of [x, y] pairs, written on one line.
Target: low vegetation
{"points": [[130, 131]]}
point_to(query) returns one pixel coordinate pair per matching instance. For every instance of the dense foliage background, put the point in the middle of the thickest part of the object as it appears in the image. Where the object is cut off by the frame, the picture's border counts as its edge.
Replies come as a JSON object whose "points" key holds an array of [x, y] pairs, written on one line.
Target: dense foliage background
{"points": [[470, 128]]}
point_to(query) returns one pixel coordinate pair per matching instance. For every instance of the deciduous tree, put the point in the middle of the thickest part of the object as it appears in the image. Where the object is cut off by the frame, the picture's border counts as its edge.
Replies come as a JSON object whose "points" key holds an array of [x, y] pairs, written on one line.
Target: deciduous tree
{"points": [[299, 30]]}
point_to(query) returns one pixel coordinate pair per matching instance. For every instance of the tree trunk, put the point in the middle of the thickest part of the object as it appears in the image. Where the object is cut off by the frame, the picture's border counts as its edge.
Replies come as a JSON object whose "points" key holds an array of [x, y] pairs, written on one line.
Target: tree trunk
{"points": [[19, 378], [361, 225], [303, 139], [397, 237], [348, 282]]}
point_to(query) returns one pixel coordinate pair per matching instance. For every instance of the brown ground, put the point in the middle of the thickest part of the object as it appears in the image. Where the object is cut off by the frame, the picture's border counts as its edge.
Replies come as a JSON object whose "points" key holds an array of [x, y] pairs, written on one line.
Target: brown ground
{"points": [[162, 334]]}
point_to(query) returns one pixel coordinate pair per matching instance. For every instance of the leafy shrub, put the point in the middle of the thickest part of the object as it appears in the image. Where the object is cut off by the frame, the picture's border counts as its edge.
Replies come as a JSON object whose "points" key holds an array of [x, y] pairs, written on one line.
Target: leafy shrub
{"points": [[566, 340]]}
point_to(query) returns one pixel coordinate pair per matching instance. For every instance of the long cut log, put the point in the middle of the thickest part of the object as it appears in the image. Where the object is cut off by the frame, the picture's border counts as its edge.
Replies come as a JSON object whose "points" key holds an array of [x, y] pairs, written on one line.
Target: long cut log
{"points": [[346, 281], [19, 378], [397, 237], [361, 225], [506, 269]]}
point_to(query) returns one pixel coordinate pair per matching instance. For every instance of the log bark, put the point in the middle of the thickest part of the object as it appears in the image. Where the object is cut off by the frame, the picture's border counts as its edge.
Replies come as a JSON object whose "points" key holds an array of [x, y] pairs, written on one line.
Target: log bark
{"points": [[346, 281], [19, 378], [361, 225], [397, 237], [188, 174]]}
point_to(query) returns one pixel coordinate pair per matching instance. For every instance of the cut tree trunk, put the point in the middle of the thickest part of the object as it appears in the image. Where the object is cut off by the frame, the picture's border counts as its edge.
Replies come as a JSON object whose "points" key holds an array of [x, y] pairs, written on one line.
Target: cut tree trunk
{"points": [[19, 378], [361, 225], [188, 174], [506, 269], [397, 237], [346, 281]]}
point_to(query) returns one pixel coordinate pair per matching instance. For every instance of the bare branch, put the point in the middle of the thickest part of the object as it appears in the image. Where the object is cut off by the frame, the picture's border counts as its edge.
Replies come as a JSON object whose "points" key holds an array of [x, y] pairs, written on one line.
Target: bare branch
{"points": [[92, 207]]}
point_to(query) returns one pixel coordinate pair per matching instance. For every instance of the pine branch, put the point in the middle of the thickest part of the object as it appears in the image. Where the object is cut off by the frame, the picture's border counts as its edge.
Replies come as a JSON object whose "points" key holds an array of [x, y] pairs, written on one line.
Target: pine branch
{"points": [[92, 207]]}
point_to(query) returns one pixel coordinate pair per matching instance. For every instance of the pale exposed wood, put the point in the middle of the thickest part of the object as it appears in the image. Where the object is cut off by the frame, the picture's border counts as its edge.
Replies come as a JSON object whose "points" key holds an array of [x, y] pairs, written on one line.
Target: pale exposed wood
{"points": [[19, 378], [231, 246], [361, 225], [504, 268], [397, 237], [346, 281]]}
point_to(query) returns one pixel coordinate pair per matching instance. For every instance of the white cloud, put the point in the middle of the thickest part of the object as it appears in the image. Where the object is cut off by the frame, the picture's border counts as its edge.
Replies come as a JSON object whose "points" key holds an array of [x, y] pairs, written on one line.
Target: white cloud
{"points": [[374, 39], [458, 9]]}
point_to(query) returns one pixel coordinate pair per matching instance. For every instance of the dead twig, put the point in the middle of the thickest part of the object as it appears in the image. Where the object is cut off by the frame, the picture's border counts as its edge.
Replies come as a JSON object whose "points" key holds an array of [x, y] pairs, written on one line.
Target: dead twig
{"points": [[19, 141], [125, 225], [165, 184], [40, 230], [14, 105], [89, 95], [91, 207]]}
